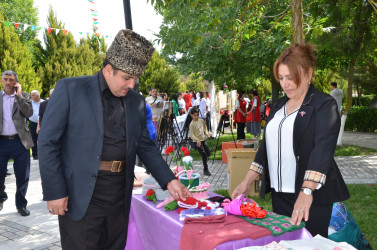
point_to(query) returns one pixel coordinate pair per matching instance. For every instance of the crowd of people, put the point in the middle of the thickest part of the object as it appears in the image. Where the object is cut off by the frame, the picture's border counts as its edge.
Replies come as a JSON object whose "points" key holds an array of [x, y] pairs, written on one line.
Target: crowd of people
{"points": [[87, 144]]}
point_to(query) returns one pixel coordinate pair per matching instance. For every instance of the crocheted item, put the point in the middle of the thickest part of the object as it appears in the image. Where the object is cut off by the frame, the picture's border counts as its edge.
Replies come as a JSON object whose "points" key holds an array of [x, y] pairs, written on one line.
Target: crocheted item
{"points": [[232, 207], [200, 192], [171, 206], [151, 195], [276, 223], [252, 210], [191, 202], [165, 202]]}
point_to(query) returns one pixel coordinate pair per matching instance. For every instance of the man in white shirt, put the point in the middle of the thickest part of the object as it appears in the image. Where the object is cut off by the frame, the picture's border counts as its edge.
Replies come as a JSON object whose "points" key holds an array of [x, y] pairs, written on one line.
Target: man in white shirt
{"points": [[337, 94], [155, 102], [33, 121]]}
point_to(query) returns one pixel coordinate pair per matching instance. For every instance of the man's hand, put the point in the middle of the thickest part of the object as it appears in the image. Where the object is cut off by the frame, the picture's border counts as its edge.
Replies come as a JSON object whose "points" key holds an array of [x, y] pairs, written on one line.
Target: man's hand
{"points": [[38, 128], [58, 207], [17, 85], [178, 190]]}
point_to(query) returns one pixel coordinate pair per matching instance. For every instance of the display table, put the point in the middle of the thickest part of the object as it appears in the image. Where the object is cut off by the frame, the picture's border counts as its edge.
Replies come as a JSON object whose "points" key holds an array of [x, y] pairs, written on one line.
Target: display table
{"points": [[151, 228]]}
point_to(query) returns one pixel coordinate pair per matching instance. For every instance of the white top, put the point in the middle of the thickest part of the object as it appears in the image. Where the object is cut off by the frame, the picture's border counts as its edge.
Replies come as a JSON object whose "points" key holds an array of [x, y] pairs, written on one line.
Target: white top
{"points": [[202, 108], [182, 104], [237, 103], [280, 155], [156, 111], [337, 94], [255, 102]]}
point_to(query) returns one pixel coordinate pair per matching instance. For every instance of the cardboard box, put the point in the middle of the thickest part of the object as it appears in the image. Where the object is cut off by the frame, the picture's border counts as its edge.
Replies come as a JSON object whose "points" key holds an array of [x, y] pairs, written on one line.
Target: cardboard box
{"points": [[227, 145], [239, 161]]}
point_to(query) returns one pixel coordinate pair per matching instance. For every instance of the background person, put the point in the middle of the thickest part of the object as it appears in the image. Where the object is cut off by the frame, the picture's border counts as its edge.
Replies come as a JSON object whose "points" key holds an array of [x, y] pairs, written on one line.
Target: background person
{"points": [[42, 110], [198, 134], [240, 115], [337, 94], [15, 138], [92, 130], [254, 115], [33, 121], [174, 98], [297, 153]]}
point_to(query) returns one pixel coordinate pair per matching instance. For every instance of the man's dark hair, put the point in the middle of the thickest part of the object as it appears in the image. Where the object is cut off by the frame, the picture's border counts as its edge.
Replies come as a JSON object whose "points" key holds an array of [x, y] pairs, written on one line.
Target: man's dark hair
{"points": [[334, 84], [106, 62]]}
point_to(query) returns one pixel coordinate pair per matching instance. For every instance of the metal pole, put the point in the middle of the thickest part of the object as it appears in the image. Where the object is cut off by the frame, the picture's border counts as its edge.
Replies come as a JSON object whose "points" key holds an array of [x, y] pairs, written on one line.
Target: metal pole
{"points": [[127, 14]]}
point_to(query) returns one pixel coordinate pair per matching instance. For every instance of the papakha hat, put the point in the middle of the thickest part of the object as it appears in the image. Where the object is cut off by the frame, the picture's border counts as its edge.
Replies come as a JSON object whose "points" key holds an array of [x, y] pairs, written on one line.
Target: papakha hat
{"points": [[130, 52]]}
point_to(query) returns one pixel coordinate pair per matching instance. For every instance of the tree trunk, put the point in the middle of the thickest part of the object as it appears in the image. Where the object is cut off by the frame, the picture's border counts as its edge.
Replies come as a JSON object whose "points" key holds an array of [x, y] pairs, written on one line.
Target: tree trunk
{"points": [[275, 87], [349, 99], [297, 22]]}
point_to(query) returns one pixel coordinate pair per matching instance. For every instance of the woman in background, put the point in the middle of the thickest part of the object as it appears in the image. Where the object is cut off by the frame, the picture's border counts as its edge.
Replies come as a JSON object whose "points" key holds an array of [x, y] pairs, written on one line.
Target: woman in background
{"points": [[174, 98], [254, 115], [240, 115]]}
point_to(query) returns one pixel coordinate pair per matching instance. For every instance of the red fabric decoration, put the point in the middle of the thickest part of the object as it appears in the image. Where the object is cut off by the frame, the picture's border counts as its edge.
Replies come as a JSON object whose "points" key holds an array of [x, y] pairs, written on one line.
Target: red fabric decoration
{"points": [[169, 149], [16, 25], [49, 30], [150, 195], [186, 152], [251, 210], [183, 149], [191, 202]]}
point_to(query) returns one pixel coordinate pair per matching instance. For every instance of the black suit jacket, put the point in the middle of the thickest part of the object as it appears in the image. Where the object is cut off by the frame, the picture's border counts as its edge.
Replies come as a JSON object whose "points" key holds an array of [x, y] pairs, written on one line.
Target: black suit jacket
{"points": [[71, 139], [315, 134], [42, 109]]}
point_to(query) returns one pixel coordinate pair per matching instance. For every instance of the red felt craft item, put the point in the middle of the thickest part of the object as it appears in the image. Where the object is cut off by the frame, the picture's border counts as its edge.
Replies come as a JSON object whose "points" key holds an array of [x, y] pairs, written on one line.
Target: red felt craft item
{"points": [[252, 210], [151, 195], [191, 202]]}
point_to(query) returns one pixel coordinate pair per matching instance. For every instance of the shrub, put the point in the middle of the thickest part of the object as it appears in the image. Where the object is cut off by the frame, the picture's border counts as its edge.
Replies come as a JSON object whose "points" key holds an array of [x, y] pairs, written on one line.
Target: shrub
{"points": [[362, 119], [365, 100]]}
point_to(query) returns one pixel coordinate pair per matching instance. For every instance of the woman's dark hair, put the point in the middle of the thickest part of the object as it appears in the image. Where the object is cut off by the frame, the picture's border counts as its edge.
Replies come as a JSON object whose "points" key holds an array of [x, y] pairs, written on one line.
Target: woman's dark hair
{"points": [[201, 94], [240, 93], [194, 110], [254, 92], [174, 97], [299, 59]]}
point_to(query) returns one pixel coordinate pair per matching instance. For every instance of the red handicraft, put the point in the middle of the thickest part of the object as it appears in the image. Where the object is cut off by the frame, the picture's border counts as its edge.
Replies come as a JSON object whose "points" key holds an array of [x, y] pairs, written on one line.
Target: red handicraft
{"points": [[251, 210]]}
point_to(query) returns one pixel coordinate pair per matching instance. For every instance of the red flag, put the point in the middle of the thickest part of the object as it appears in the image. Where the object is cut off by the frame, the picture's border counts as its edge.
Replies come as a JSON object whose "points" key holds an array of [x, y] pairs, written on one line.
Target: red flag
{"points": [[92, 10], [16, 25], [49, 30], [65, 32], [95, 19], [91, 2]]}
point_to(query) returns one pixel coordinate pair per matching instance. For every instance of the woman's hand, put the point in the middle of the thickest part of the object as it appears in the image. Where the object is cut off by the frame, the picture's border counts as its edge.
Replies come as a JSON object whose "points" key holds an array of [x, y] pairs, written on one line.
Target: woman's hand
{"points": [[198, 144], [245, 185], [301, 208]]}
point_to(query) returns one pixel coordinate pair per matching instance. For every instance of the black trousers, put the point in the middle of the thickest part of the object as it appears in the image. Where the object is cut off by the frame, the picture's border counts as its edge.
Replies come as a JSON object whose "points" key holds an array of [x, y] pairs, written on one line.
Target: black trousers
{"points": [[240, 131], [34, 136], [104, 225], [319, 215], [205, 153]]}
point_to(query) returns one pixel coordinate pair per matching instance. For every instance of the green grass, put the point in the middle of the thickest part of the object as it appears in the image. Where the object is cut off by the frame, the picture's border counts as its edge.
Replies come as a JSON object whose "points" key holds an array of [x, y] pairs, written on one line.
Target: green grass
{"points": [[362, 205], [345, 150], [351, 150]]}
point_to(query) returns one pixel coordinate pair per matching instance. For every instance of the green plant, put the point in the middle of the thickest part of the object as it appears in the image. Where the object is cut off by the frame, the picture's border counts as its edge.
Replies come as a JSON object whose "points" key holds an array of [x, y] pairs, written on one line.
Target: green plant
{"points": [[362, 119]]}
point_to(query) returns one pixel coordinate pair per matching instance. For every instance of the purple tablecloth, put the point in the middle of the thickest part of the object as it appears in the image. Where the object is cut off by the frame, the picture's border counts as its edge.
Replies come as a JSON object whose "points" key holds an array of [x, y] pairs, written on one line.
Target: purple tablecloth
{"points": [[150, 228]]}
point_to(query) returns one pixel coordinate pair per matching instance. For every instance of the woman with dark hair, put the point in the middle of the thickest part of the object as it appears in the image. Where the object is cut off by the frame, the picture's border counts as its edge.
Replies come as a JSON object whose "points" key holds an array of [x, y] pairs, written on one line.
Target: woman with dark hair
{"points": [[174, 98], [297, 153], [240, 115], [254, 115]]}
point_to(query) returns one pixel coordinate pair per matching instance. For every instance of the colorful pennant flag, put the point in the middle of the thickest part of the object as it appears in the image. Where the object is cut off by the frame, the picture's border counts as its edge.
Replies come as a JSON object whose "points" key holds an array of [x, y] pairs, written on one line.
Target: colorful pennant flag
{"points": [[25, 26], [49, 30], [16, 25], [7, 24], [33, 28], [65, 32]]}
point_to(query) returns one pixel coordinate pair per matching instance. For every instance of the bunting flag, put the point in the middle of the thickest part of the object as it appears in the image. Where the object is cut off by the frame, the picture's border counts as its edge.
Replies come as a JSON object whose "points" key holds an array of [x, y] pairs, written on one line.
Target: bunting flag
{"points": [[25, 27], [94, 19], [49, 30], [32, 28], [65, 32], [16, 25], [7, 24]]}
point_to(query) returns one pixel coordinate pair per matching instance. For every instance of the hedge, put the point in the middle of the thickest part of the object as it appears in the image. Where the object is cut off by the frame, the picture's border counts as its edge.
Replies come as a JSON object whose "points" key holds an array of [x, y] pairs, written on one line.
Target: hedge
{"points": [[362, 119]]}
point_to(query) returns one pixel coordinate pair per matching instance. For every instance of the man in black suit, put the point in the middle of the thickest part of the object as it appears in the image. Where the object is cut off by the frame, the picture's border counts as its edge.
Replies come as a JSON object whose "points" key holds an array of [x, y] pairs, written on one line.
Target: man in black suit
{"points": [[92, 130]]}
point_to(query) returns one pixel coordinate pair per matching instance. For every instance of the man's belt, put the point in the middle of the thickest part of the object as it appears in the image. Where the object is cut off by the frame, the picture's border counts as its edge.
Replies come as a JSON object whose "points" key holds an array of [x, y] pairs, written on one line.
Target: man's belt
{"points": [[112, 166], [9, 137]]}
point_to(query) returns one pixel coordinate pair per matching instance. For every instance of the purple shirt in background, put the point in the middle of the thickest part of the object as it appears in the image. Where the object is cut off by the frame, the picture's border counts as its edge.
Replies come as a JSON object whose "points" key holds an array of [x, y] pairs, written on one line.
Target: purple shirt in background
{"points": [[8, 125]]}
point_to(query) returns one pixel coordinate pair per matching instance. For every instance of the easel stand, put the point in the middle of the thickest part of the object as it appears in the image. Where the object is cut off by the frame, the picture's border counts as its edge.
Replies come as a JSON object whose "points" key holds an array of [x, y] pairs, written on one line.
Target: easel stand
{"points": [[167, 133], [218, 134]]}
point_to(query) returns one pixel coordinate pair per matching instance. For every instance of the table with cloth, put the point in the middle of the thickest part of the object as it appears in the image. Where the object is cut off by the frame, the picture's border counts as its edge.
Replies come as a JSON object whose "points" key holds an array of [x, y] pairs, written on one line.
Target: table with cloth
{"points": [[152, 228]]}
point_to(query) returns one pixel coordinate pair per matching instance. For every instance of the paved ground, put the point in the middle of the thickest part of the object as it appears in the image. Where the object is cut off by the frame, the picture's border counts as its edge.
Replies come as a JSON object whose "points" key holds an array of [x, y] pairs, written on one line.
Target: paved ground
{"points": [[40, 229]]}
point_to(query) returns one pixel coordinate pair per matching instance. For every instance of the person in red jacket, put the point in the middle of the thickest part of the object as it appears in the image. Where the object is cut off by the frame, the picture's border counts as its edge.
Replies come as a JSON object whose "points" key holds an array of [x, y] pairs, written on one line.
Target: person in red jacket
{"points": [[187, 97], [240, 115], [254, 115]]}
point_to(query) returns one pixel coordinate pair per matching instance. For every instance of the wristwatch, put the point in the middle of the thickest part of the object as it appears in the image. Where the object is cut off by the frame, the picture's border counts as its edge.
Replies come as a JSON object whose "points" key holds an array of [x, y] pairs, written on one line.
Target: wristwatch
{"points": [[306, 190]]}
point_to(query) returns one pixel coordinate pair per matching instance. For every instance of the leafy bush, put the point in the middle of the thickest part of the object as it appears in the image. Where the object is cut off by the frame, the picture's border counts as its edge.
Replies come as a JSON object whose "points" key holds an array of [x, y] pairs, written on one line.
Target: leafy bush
{"points": [[362, 119], [364, 100]]}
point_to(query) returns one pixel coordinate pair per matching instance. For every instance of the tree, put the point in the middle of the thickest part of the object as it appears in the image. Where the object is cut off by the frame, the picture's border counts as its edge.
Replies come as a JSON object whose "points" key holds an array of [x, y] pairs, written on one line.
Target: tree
{"points": [[194, 82], [21, 11], [159, 75], [62, 57], [16, 56]]}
